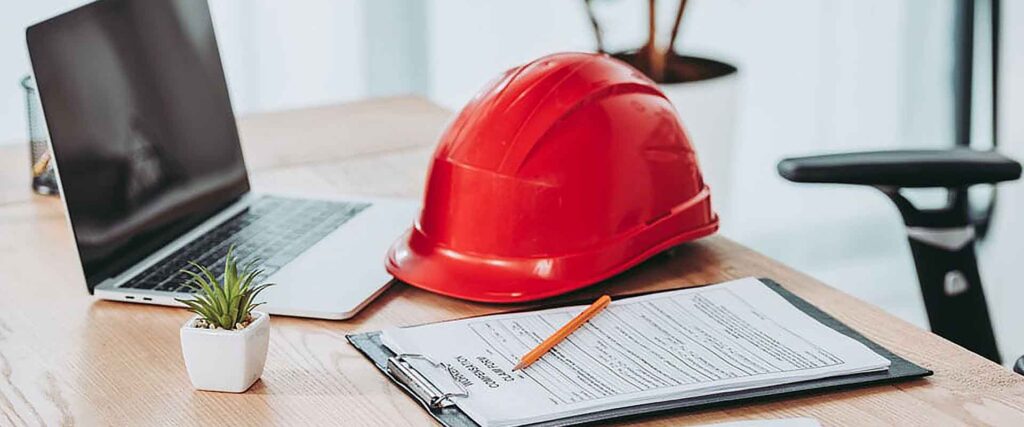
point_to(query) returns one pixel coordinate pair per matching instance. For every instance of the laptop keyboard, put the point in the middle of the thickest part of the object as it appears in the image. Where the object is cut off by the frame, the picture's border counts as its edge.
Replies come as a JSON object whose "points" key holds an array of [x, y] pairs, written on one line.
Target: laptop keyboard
{"points": [[273, 230]]}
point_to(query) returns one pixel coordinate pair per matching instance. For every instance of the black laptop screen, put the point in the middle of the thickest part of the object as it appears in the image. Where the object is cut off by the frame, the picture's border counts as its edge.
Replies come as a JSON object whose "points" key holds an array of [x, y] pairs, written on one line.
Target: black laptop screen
{"points": [[141, 125]]}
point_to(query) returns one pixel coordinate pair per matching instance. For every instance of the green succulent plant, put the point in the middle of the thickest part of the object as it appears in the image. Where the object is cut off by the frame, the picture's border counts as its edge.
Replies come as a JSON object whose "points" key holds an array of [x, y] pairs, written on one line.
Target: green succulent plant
{"points": [[225, 303]]}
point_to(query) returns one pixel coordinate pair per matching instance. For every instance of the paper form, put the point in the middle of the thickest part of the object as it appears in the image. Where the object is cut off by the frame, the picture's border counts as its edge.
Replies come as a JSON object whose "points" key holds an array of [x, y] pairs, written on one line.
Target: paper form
{"points": [[665, 346]]}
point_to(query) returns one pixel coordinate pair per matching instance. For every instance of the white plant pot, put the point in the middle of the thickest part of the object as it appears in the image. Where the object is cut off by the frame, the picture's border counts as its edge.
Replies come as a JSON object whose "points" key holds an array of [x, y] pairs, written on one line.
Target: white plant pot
{"points": [[228, 361], [709, 110]]}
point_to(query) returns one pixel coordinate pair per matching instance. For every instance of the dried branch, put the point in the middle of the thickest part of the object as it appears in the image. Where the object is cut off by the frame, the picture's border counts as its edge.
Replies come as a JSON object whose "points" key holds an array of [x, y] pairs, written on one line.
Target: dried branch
{"points": [[655, 61], [598, 34], [675, 28]]}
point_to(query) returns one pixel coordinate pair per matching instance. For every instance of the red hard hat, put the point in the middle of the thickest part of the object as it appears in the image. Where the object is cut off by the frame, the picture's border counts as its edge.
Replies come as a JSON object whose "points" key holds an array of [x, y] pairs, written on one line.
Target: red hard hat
{"points": [[559, 174]]}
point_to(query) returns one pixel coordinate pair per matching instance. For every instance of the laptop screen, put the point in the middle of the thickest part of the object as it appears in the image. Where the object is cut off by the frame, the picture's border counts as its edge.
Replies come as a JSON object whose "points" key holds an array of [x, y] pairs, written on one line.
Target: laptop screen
{"points": [[143, 134]]}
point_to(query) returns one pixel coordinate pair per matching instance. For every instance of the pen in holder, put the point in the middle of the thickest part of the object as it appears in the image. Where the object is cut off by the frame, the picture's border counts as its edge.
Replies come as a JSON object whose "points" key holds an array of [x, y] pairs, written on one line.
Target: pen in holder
{"points": [[43, 179]]}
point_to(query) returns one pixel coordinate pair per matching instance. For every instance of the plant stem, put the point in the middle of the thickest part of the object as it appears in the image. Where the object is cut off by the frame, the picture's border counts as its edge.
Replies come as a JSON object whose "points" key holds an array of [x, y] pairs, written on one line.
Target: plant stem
{"points": [[675, 28], [598, 36], [655, 59]]}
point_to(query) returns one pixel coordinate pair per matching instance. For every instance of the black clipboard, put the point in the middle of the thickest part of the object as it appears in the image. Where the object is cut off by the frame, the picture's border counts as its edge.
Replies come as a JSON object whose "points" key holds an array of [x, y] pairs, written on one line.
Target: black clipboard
{"points": [[438, 403]]}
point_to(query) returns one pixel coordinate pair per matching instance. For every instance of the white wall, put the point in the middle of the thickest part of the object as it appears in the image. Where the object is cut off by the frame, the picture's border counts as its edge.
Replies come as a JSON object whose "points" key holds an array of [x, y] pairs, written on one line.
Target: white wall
{"points": [[281, 55], [14, 64], [276, 56], [472, 41], [836, 68]]}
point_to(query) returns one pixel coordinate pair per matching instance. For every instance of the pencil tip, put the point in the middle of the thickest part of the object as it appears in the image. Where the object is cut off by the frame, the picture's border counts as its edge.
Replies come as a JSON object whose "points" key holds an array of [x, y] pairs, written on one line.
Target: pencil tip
{"points": [[518, 367]]}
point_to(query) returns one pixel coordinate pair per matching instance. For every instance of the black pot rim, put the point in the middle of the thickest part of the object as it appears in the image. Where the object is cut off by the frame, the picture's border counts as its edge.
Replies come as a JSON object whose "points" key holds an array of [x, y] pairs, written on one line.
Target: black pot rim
{"points": [[715, 69]]}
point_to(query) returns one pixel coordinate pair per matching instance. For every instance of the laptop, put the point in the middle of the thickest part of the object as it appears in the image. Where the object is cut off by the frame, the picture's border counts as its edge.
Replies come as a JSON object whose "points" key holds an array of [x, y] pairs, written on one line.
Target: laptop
{"points": [[152, 176]]}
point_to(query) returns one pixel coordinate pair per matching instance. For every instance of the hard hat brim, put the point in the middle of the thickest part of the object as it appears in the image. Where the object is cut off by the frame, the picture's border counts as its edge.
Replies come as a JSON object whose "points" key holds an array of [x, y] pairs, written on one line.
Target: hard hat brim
{"points": [[417, 260]]}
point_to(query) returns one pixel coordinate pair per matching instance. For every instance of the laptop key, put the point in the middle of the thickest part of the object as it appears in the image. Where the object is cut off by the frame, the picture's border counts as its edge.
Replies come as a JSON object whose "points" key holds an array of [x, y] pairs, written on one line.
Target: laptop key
{"points": [[167, 285], [273, 230], [145, 284]]}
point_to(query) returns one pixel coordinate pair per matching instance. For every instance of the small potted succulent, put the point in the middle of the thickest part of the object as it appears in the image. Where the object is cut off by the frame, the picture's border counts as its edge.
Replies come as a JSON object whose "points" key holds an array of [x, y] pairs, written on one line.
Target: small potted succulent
{"points": [[225, 343]]}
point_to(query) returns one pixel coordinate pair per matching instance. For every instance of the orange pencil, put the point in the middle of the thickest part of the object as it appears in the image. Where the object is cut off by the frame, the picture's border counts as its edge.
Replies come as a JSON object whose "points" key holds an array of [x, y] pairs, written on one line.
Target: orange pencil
{"points": [[564, 332]]}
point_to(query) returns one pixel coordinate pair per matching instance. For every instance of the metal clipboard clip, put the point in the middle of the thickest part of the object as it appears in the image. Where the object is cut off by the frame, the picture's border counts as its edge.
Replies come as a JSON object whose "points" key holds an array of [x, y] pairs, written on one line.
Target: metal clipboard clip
{"points": [[429, 393]]}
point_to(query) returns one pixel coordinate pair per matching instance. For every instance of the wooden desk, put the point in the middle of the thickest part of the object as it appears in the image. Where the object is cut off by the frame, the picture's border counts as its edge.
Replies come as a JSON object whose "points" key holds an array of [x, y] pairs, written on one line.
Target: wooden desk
{"points": [[66, 358]]}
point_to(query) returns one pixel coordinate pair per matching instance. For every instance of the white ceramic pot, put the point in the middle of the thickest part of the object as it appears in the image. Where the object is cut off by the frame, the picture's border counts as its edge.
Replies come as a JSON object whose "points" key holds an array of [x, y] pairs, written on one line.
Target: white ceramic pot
{"points": [[705, 93], [228, 361], [709, 111]]}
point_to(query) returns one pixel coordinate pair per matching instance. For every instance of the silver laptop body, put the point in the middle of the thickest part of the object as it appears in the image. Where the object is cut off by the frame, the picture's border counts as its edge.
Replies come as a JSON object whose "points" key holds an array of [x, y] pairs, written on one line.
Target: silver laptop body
{"points": [[152, 176]]}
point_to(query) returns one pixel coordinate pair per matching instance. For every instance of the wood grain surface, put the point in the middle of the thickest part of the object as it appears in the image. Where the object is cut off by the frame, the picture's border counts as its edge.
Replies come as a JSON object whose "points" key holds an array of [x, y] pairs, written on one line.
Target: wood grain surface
{"points": [[67, 359]]}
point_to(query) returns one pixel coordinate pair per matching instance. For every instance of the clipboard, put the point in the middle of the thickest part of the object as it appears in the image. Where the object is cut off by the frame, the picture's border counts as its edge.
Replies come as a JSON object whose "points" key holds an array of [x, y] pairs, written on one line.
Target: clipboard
{"points": [[439, 400]]}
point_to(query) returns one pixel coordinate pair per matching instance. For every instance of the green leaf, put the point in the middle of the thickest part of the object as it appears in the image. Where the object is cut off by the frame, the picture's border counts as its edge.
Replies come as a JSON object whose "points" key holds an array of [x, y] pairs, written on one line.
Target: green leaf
{"points": [[228, 301]]}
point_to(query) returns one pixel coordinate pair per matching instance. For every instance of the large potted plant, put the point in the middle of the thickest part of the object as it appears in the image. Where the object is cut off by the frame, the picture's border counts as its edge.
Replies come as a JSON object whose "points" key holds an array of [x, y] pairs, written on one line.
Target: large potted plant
{"points": [[225, 344], [704, 92]]}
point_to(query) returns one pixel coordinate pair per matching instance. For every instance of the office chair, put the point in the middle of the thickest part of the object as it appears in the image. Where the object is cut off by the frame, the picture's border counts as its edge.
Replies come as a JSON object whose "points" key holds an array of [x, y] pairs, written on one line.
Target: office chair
{"points": [[941, 240]]}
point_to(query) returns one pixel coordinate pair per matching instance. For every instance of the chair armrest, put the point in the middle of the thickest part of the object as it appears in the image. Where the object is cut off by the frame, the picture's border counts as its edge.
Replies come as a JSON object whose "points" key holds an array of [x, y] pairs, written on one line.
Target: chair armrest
{"points": [[903, 168]]}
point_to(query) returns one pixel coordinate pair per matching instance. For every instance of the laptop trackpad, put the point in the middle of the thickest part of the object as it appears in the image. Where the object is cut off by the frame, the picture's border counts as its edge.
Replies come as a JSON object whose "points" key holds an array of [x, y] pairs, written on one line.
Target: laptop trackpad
{"points": [[344, 271]]}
